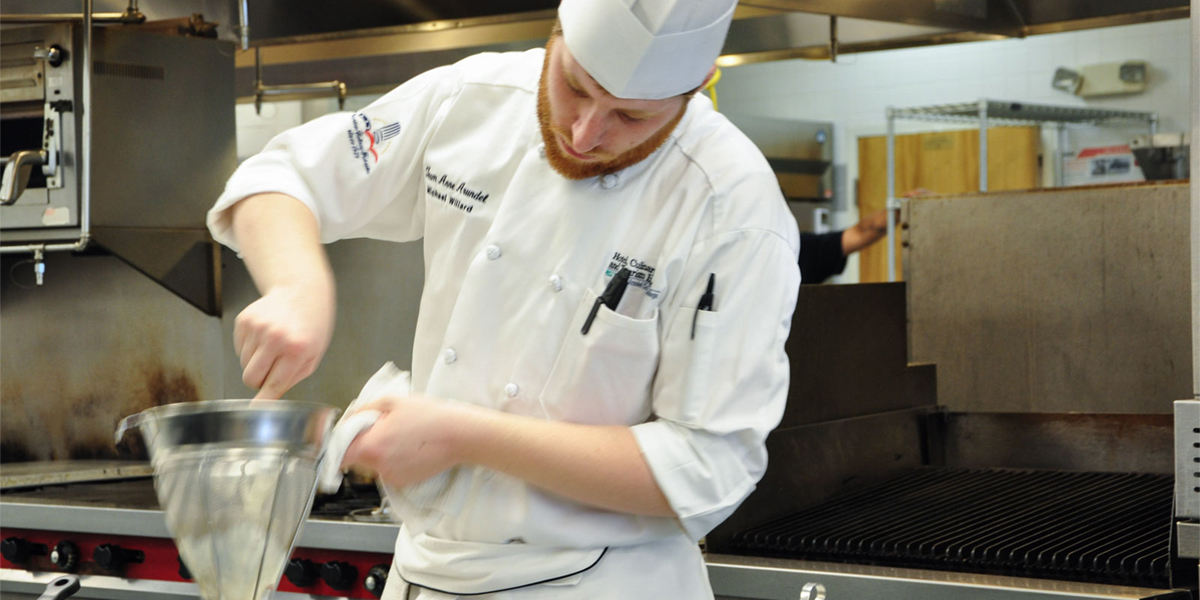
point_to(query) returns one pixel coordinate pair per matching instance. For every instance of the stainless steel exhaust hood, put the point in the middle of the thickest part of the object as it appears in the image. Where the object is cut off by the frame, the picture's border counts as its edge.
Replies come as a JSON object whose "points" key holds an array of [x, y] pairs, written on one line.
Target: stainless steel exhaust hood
{"points": [[384, 42]]}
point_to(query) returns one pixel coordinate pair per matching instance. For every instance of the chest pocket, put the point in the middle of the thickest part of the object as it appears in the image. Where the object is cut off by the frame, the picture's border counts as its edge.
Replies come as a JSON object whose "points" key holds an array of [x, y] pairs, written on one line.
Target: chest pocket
{"points": [[604, 377]]}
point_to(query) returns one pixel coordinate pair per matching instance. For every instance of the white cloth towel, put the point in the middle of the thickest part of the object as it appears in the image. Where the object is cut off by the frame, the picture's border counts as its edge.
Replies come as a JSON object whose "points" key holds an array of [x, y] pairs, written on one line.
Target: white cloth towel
{"points": [[414, 504]]}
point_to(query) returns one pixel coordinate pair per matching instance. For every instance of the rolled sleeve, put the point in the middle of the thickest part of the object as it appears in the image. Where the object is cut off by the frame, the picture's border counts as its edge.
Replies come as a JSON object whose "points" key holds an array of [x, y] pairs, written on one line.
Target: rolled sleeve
{"points": [[720, 391], [704, 477]]}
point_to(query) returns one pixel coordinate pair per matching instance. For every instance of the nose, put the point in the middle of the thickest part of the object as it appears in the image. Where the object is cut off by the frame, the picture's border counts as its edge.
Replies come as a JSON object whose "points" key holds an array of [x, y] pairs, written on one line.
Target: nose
{"points": [[588, 129]]}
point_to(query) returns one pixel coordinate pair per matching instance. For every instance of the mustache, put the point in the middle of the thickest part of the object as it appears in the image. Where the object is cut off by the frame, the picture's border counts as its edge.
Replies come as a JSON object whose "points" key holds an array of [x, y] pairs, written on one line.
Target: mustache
{"points": [[566, 135]]}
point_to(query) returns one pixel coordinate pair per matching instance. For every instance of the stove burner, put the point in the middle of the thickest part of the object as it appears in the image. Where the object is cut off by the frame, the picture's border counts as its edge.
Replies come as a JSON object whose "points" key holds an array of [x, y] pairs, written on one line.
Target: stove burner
{"points": [[1109, 528], [349, 500]]}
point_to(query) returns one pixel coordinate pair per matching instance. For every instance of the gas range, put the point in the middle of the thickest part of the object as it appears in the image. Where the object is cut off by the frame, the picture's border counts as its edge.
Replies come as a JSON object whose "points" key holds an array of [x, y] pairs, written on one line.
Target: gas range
{"points": [[121, 549], [113, 535]]}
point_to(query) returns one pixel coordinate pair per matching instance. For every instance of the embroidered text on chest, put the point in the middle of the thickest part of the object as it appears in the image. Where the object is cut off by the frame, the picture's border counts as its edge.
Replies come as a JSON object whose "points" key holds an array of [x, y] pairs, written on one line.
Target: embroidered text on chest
{"points": [[641, 274], [453, 191]]}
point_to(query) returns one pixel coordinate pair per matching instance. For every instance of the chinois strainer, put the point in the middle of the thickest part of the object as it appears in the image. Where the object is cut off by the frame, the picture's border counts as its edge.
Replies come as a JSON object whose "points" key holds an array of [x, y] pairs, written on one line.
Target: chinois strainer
{"points": [[236, 480]]}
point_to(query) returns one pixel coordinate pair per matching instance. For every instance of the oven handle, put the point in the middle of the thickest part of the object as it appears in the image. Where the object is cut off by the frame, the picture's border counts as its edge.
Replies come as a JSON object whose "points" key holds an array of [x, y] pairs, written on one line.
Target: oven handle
{"points": [[17, 171]]}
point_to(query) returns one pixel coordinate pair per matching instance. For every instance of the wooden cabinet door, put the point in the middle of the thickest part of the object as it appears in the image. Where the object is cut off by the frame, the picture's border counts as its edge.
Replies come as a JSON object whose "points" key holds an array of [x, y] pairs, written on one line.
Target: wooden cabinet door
{"points": [[944, 162]]}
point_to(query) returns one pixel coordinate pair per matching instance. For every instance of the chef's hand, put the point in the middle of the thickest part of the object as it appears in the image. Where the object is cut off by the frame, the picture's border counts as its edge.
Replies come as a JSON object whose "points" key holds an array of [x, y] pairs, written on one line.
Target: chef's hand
{"points": [[412, 441], [281, 337]]}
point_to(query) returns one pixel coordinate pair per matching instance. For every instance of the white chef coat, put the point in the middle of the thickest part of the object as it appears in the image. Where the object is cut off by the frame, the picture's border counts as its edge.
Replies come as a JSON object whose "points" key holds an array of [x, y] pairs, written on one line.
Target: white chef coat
{"points": [[515, 256]]}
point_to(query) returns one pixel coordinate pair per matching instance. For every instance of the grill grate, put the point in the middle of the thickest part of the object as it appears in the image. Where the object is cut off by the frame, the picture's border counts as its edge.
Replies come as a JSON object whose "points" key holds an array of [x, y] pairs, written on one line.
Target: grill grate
{"points": [[1111, 528]]}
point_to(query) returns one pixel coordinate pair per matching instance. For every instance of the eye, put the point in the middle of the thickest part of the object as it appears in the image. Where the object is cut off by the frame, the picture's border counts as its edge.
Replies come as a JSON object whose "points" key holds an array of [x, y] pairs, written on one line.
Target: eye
{"points": [[576, 91], [628, 118]]}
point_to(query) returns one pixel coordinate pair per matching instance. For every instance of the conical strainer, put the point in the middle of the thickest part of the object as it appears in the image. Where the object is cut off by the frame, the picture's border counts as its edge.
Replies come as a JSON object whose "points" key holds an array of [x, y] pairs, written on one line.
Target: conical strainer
{"points": [[236, 481]]}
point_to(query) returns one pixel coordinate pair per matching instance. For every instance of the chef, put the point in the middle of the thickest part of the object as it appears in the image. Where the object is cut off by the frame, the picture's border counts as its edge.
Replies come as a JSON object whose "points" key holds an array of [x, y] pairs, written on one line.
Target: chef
{"points": [[610, 274]]}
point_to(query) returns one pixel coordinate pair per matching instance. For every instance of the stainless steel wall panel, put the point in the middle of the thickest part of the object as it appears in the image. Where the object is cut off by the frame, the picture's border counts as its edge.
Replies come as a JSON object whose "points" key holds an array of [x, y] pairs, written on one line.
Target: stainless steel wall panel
{"points": [[97, 342], [1187, 457], [1195, 216], [1060, 441], [849, 355], [1066, 300], [164, 147]]}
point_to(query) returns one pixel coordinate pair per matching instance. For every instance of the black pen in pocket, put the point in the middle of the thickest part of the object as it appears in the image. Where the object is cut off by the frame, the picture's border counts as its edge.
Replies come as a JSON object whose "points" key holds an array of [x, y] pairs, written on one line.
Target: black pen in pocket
{"points": [[610, 298], [706, 301]]}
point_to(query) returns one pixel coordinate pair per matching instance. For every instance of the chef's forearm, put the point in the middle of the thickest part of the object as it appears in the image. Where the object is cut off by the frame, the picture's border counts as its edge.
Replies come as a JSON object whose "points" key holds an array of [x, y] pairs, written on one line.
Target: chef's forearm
{"points": [[594, 465], [280, 243]]}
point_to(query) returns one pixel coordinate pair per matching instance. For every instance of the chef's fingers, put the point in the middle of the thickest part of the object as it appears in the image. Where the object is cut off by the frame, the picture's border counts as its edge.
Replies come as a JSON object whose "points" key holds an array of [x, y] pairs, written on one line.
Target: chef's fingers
{"points": [[245, 340], [286, 372], [247, 351], [258, 366]]}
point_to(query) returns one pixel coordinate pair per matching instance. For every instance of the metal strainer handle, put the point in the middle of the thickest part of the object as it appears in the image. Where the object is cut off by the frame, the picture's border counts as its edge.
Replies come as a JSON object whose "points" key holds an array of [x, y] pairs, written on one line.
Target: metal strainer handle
{"points": [[126, 424], [60, 588]]}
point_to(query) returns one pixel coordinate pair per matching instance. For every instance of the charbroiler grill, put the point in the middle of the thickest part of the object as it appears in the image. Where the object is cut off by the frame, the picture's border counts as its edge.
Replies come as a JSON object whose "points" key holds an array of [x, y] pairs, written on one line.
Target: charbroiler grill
{"points": [[1111, 528], [875, 491]]}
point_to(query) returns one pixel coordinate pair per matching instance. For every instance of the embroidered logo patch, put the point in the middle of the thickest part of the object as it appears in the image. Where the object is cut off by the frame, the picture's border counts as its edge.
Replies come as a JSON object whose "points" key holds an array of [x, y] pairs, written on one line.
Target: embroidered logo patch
{"points": [[370, 138], [641, 274]]}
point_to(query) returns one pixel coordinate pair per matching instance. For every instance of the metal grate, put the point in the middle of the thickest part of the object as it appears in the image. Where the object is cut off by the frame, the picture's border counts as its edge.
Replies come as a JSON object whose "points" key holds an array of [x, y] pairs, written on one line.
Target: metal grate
{"points": [[1001, 112], [1111, 528], [130, 70]]}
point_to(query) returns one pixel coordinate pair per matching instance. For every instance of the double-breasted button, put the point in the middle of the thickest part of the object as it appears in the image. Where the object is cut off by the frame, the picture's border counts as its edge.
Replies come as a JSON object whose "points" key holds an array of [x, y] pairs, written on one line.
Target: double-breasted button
{"points": [[610, 181], [511, 390], [492, 252], [556, 283], [449, 355]]}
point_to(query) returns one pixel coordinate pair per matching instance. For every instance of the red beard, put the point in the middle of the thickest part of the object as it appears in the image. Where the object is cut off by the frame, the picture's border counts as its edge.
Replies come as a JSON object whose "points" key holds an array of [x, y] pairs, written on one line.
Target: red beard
{"points": [[573, 168]]}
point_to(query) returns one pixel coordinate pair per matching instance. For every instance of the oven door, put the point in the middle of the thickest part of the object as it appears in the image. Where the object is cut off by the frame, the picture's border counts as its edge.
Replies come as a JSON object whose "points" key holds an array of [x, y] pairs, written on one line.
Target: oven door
{"points": [[40, 118]]}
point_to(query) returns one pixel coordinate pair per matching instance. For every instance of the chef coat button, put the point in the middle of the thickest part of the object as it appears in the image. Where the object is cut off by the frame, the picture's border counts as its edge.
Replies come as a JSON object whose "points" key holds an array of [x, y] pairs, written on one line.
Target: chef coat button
{"points": [[542, 150], [511, 390], [610, 181], [493, 252], [556, 283], [450, 355]]}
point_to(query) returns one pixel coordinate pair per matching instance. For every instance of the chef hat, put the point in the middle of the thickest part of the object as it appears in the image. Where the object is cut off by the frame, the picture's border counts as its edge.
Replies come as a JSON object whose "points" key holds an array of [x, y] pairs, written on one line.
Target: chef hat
{"points": [[646, 49]]}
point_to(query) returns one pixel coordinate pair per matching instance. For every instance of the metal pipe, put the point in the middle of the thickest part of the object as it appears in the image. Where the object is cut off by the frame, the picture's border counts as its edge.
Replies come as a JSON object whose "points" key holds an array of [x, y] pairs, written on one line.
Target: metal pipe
{"points": [[85, 185], [324, 88], [983, 145], [892, 205], [65, 18], [833, 38], [1195, 199], [244, 24], [1060, 154], [33, 248]]}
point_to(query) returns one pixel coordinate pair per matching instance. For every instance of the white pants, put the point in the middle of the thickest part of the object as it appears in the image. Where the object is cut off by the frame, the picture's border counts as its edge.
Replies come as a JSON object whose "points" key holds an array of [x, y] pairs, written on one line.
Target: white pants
{"points": [[671, 568]]}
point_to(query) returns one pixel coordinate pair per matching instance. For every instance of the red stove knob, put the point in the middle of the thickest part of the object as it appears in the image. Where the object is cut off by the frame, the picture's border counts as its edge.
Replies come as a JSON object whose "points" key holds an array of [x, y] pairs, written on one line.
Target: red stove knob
{"points": [[339, 575], [65, 555], [376, 580], [18, 550], [114, 558], [301, 572]]}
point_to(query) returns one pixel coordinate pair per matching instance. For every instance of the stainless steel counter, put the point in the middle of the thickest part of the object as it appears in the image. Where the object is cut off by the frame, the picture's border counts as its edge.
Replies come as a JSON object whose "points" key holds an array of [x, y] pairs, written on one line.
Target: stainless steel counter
{"points": [[751, 578], [732, 577], [317, 533]]}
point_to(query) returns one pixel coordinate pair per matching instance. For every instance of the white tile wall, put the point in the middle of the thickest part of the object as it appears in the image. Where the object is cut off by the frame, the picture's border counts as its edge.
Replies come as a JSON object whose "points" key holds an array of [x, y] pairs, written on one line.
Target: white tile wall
{"points": [[854, 92]]}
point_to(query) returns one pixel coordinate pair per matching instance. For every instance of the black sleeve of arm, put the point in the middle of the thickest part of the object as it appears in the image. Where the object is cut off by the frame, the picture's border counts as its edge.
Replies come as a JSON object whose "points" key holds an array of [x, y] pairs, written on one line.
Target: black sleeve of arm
{"points": [[820, 256]]}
